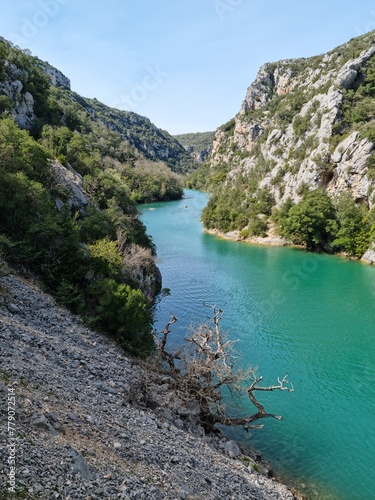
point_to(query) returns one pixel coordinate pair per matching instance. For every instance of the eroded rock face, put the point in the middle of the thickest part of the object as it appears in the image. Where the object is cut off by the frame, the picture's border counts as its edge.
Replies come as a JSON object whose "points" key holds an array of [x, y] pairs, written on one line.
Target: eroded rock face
{"points": [[348, 73], [70, 181], [293, 154], [12, 87], [369, 256], [350, 158], [58, 79]]}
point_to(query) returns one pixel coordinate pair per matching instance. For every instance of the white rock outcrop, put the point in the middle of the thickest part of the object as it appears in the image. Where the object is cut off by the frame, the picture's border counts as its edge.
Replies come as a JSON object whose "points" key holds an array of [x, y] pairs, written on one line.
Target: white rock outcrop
{"points": [[71, 181], [369, 256]]}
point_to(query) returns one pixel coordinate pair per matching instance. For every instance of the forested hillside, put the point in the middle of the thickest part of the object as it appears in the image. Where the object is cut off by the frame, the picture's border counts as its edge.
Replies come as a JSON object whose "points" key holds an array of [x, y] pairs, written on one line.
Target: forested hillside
{"points": [[198, 145], [71, 173], [298, 159]]}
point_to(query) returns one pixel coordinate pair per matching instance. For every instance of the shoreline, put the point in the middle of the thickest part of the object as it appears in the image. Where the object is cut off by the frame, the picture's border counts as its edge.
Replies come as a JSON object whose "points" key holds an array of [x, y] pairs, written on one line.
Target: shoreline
{"points": [[255, 240], [277, 241], [145, 444]]}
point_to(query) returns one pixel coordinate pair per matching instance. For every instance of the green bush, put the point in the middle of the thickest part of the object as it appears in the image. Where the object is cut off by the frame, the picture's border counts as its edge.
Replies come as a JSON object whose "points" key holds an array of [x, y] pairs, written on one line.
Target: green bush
{"points": [[301, 124], [258, 227], [125, 313], [353, 235], [310, 222]]}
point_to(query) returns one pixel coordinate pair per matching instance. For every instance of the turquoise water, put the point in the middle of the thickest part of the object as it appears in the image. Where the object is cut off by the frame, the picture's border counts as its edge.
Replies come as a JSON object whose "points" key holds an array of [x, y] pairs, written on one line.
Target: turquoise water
{"points": [[309, 315]]}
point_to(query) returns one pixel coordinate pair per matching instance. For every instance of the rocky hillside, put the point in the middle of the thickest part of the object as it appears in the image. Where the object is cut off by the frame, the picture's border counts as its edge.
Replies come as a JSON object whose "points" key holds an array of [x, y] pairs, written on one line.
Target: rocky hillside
{"points": [[69, 185], [23, 91], [91, 423], [198, 145], [306, 125]]}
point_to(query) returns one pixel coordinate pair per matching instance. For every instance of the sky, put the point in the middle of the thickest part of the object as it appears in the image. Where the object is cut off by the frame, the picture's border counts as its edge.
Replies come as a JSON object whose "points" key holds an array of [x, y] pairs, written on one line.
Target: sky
{"points": [[185, 64]]}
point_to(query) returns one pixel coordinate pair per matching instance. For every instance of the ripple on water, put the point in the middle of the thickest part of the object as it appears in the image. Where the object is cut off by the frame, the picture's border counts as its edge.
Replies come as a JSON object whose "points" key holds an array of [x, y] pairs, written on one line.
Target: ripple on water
{"points": [[310, 315]]}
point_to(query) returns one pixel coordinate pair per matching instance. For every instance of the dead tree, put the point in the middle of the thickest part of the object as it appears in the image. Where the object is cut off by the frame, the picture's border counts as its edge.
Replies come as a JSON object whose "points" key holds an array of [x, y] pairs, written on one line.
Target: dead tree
{"points": [[160, 343], [207, 365]]}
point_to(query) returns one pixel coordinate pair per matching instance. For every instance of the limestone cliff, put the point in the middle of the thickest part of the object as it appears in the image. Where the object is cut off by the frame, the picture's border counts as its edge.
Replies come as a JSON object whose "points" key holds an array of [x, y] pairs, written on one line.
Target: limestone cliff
{"points": [[304, 124], [25, 79]]}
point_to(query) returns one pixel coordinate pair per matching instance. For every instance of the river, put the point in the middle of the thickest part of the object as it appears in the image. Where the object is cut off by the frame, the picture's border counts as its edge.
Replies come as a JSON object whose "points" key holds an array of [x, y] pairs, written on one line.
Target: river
{"points": [[309, 315]]}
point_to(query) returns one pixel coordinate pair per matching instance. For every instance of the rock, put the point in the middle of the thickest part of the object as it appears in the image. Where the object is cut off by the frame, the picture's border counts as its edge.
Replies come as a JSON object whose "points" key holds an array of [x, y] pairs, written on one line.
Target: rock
{"points": [[80, 466], [349, 71], [70, 179], [41, 422], [57, 78], [232, 449], [343, 147], [369, 256], [13, 308]]}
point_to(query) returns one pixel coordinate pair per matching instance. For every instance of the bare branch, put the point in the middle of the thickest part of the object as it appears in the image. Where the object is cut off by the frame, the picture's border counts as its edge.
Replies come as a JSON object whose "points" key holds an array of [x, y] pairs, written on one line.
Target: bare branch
{"points": [[161, 344], [207, 366]]}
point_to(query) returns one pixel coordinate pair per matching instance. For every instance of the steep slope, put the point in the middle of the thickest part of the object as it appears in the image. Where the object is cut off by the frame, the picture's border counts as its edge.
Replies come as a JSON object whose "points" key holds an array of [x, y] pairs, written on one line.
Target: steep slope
{"points": [[68, 192], [306, 125], [24, 91], [92, 423]]}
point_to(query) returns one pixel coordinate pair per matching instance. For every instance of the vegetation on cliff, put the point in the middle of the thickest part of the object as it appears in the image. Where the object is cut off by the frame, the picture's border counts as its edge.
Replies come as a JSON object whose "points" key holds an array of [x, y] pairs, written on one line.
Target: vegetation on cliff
{"points": [[68, 193], [299, 156], [198, 145]]}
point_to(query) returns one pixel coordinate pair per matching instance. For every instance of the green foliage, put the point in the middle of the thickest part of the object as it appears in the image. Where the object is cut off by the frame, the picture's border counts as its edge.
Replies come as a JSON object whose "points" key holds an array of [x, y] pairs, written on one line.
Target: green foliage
{"points": [[72, 253], [5, 103], [106, 252], [20, 153], [124, 312], [311, 222], [301, 124], [353, 236], [370, 164], [229, 126], [257, 227]]}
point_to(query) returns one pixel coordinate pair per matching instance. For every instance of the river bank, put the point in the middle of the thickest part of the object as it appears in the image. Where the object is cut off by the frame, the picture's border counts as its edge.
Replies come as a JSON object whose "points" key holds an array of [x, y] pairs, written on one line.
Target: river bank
{"points": [[92, 423], [277, 241], [272, 240]]}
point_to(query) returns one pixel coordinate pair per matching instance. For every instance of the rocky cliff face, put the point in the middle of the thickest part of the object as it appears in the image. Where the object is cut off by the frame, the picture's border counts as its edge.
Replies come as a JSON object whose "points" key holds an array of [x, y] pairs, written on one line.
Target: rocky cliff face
{"points": [[14, 86], [58, 79], [198, 145], [23, 102], [299, 155], [305, 124], [141, 133], [18, 70]]}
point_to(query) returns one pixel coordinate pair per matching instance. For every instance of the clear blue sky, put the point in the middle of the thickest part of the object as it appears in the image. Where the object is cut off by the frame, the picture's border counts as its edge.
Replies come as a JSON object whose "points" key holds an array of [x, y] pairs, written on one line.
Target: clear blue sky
{"points": [[185, 64]]}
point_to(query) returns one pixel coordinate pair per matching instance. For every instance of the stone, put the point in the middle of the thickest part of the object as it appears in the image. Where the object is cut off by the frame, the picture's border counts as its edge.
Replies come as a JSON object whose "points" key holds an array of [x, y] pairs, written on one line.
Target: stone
{"points": [[232, 449], [369, 256], [73, 182], [13, 308], [80, 466]]}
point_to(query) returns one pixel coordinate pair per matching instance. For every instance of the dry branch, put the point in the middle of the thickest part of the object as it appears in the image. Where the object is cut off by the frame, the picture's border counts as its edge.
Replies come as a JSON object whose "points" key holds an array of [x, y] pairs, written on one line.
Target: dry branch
{"points": [[207, 366]]}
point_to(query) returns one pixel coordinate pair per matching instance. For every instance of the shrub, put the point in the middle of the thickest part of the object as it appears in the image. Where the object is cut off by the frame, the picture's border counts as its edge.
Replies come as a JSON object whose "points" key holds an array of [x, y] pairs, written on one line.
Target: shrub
{"points": [[311, 222], [301, 124], [124, 312], [258, 227]]}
